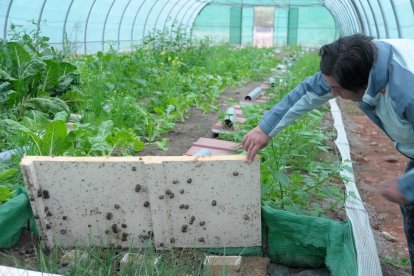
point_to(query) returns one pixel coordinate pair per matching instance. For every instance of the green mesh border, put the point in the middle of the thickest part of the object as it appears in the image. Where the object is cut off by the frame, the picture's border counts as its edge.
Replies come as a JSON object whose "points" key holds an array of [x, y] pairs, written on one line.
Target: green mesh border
{"points": [[303, 242], [14, 216], [306, 241]]}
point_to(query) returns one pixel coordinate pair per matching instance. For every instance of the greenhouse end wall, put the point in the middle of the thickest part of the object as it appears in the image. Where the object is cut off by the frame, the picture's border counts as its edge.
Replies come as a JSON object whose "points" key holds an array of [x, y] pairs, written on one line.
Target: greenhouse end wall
{"points": [[89, 26], [305, 26]]}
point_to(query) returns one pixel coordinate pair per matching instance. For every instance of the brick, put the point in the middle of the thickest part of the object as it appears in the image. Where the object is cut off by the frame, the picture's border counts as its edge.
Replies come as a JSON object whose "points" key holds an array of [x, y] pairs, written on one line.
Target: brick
{"points": [[222, 265], [195, 149], [216, 144], [132, 260], [73, 257]]}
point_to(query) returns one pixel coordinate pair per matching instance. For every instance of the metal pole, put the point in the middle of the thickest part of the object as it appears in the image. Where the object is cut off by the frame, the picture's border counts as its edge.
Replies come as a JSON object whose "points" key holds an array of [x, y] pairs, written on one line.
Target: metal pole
{"points": [[40, 17], [6, 20], [366, 17], [133, 22], [375, 19], [353, 17], [185, 14], [161, 11], [182, 9], [169, 13], [104, 26], [86, 25], [359, 17], [332, 11], [343, 18], [397, 21], [198, 9], [146, 19], [65, 21], [387, 34], [412, 5], [120, 24]]}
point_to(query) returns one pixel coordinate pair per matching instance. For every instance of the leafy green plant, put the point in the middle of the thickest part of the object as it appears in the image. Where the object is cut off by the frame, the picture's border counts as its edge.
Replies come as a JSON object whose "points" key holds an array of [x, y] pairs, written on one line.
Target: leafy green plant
{"points": [[104, 140], [121, 87], [29, 69], [5, 194], [84, 139], [32, 76], [53, 141], [7, 185]]}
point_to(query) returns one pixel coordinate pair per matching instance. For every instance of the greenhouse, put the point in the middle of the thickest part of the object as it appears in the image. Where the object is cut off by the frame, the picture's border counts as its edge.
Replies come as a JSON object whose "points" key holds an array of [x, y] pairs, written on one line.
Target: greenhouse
{"points": [[206, 137]]}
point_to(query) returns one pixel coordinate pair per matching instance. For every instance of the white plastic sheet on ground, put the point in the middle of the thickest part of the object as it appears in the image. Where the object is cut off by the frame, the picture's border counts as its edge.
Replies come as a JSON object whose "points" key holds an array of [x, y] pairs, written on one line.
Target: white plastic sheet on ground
{"points": [[367, 256], [11, 271]]}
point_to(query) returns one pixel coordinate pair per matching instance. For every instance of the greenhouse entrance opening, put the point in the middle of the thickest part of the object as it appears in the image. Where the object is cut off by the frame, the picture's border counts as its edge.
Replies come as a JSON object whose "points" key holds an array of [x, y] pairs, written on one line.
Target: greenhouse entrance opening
{"points": [[263, 26]]}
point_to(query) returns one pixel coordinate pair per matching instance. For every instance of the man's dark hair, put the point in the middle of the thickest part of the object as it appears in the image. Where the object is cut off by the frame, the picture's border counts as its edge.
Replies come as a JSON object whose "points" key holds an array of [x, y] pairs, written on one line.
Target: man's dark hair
{"points": [[349, 61]]}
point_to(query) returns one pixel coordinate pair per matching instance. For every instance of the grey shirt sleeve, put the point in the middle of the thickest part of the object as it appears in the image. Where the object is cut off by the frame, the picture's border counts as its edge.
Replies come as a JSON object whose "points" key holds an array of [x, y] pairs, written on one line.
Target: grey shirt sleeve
{"points": [[307, 96]]}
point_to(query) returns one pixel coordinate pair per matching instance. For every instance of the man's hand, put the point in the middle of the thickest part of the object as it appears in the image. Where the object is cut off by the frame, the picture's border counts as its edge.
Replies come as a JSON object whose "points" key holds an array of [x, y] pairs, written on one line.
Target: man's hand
{"points": [[391, 192], [254, 141]]}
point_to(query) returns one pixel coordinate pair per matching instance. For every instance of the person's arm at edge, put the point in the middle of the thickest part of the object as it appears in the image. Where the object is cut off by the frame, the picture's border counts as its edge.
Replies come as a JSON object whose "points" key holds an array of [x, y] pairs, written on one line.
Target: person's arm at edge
{"points": [[308, 95], [401, 190]]}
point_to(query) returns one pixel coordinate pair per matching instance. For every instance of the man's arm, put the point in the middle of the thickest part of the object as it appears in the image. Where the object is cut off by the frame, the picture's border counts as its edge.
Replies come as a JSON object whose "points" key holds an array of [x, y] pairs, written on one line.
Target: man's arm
{"points": [[307, 96], [403, 187], [254, 141], [392, 192]]}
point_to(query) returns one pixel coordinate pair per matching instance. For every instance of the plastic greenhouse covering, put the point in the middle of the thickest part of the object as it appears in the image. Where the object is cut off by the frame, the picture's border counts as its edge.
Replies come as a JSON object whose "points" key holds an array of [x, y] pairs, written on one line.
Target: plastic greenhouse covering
{"points": [[86, 28], [89, 26]]}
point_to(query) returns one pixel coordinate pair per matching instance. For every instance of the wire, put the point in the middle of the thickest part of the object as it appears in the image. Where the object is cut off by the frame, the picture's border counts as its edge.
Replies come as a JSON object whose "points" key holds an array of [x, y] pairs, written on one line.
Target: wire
{"points": [[282, 3]]}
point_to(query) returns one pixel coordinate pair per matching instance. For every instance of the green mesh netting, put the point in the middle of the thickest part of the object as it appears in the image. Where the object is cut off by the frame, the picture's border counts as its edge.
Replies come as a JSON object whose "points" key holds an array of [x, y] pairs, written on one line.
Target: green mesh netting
{"points": [[14, 215], [305, 241]]}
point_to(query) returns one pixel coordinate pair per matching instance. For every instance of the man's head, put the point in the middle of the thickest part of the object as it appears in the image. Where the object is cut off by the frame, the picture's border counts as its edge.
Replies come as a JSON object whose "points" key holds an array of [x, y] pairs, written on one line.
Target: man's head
{"points": [[347, 62]]}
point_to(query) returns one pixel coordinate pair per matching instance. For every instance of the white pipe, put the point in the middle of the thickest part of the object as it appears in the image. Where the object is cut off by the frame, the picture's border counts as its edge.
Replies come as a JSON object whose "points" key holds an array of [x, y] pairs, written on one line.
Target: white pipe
{"points": [[230, 118], [254, 94], [272, 81]]}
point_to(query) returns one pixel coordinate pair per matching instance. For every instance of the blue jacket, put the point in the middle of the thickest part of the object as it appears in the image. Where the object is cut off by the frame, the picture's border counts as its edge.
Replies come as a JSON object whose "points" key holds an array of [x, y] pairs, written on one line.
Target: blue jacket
{"points": [[392, 111]]}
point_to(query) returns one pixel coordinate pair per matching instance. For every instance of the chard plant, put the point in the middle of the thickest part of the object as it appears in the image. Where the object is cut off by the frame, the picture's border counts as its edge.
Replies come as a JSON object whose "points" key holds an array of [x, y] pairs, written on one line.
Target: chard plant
{"points": [[26, 76]]}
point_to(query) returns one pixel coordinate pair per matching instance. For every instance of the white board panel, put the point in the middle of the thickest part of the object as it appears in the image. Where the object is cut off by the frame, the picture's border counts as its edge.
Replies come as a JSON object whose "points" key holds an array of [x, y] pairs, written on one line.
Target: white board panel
{"points": [[173, 201]]}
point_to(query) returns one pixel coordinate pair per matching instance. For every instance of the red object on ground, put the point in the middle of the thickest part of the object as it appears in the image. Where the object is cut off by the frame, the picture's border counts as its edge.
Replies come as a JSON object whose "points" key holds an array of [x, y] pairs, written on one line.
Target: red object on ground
{"points": [[216, 146]]}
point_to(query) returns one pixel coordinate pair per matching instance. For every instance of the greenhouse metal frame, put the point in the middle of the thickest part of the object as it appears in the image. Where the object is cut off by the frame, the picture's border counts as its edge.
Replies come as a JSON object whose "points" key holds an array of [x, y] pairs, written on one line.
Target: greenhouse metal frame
{"points": [[92, 25]]}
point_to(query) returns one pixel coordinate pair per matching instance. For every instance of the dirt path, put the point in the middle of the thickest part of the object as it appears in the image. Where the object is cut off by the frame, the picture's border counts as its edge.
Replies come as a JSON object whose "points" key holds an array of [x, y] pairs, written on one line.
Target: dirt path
{"points": [[198, 124]]}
